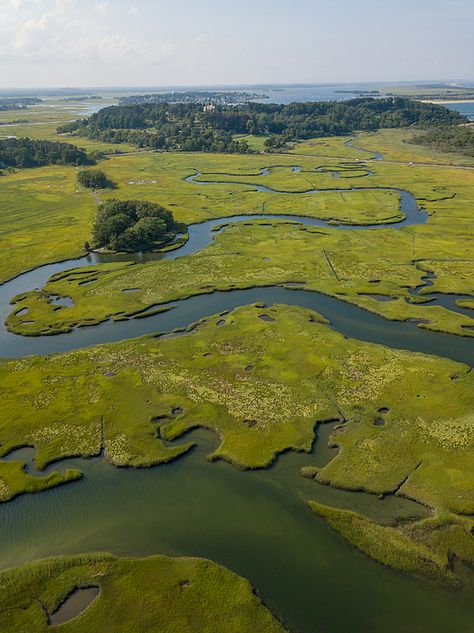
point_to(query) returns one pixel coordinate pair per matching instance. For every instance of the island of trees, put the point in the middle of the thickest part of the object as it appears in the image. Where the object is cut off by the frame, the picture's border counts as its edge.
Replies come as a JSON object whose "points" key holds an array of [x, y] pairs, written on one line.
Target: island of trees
{"points": [[132, 225], [25, 152], [94, 179], [193, 127]]}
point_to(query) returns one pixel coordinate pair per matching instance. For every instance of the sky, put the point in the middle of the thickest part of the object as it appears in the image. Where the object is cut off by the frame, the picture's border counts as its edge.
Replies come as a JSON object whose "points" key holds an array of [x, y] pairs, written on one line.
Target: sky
{"points": [[52, 43]]}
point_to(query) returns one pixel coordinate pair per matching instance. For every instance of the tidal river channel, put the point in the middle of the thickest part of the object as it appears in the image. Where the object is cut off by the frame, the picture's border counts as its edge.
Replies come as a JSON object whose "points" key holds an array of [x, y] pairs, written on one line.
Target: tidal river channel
{"points": [[256, 522]]}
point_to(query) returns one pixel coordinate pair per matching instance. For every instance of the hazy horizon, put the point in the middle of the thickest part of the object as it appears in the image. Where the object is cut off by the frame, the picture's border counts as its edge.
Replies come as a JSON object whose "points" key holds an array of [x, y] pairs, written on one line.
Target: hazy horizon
{"points": [[91, 43], [238, 86]]}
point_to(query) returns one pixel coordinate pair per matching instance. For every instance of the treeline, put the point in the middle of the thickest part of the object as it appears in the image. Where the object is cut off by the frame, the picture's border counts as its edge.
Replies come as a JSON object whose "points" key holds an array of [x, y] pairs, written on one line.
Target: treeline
{"points": [[18, 103], [458, 139], [84, 98], [192, 127], [204, 97], [25, 152], [171, 129]]}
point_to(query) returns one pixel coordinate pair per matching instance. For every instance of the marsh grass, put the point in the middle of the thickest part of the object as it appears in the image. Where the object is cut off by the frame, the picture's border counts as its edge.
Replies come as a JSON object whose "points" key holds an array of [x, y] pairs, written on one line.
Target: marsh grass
{"points": [[426, 549], [182, 595], [134, 398], [340, 263]]}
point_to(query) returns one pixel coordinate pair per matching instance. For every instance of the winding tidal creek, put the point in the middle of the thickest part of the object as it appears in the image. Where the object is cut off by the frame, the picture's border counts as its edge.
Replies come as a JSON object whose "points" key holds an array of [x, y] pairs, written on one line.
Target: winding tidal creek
{"points": [[254, 522]]}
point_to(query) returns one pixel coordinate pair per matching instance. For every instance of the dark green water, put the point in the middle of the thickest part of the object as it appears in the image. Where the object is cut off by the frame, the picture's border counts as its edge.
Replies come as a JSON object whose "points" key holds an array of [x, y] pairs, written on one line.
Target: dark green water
{"points": [[256, 523]]}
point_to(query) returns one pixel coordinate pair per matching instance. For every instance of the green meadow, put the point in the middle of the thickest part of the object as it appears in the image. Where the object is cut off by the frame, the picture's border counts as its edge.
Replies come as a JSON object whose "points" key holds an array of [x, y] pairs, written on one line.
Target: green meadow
{"points": [[52, 217], [444, 245], [189, 595], [51, 197], [350, 265], [261, 385], [394, 145], [44, 218], [242, 379], [46, 131]]}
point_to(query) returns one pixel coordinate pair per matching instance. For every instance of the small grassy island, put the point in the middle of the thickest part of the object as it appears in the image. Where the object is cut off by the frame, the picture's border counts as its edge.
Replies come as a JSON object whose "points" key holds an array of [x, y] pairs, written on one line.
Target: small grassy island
{"points": [[183, 595]]}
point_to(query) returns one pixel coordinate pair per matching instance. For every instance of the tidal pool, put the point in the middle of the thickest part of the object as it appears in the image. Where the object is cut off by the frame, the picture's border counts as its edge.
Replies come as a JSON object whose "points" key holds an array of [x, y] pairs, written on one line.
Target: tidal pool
{"points": [[75, 604]]}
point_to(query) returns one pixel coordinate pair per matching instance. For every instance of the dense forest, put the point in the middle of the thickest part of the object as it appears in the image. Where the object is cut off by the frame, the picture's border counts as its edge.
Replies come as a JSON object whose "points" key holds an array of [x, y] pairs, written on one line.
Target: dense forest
{"points": [[459, 139], [132, 225], [192, 127], [25, 152]]}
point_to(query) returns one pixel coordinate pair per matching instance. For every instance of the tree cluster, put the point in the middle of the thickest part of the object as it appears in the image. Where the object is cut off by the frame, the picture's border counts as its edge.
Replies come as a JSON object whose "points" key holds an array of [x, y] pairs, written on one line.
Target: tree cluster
{"points": [[191, 127], [132, 225], [25, 152], [458, 139], [17, 103], [94, 179]]}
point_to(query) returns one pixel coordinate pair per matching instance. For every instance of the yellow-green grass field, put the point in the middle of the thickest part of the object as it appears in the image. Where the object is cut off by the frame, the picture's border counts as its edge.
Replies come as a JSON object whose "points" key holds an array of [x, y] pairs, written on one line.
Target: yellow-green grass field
{"points": [[392, 144], [262, 386], [36, 114], [444, 245], [442, 190], [255, 142], [44, 217], [181, 595], [161, 177], [301, 371], [446, 192], [352, 265], [331, 146]]}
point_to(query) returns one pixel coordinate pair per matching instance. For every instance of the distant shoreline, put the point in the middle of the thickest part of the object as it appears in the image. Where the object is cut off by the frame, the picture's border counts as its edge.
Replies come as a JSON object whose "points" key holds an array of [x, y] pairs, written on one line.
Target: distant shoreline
{"points": [[441, 101]]}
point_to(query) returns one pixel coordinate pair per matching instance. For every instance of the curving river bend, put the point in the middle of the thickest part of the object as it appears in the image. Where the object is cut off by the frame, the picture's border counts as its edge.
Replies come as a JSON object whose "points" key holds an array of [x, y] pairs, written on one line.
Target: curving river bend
{"points": [[253, 522]]}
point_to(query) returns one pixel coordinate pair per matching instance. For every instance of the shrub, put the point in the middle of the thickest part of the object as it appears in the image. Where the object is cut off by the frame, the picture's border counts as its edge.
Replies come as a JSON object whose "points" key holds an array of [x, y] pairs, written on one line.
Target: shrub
{"points": [[94, 179]]}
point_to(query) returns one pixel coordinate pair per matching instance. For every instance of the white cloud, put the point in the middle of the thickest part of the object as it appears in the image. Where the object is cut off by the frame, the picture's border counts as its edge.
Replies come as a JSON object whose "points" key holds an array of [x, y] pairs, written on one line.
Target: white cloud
{"points": [[157, 42], [65, 32], [16, 5], [112, 47], [101, 8]]}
